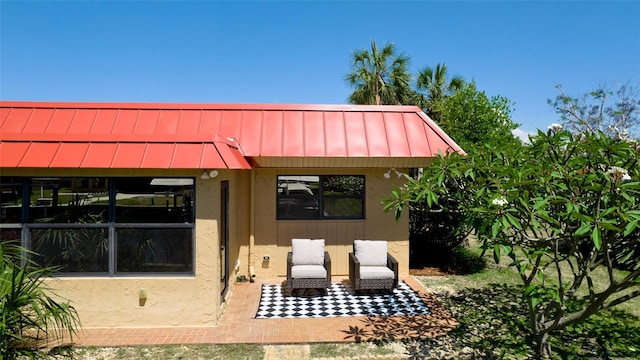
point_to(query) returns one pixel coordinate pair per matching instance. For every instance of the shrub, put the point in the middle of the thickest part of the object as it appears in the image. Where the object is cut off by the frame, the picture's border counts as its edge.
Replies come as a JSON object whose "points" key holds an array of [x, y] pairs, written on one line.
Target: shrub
{"points": [[29, 312]]}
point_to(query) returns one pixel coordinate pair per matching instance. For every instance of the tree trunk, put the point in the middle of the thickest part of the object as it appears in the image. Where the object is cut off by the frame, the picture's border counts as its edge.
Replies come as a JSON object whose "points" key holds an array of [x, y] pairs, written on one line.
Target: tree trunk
{"points": [[543, 348]]}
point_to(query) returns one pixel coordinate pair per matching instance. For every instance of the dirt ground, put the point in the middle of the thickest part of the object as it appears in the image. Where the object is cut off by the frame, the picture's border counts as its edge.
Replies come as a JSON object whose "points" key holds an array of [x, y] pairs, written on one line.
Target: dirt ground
{"points": [[428, 271]]}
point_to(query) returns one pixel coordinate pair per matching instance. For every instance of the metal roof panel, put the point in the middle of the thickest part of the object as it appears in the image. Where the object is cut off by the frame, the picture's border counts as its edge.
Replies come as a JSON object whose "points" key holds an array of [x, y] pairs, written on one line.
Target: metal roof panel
{"points": [[271, 133], [211, 158], [188, 156], [61, 121], [82, 122], [128, 156], [147, 122], [209, 122], [251, 125], [416, 136], [100, 155], [231, 156], [396, 135], [38, 121], [314, 135], [4, 114], [16, 120], [39, 155], [69, 155], [356, 139], [336, 135], [168, 122], [189, 122], [231, 123], [377, 141], [11, 153], [157, 156], [104, 121], [293, 134], [125, 122]]}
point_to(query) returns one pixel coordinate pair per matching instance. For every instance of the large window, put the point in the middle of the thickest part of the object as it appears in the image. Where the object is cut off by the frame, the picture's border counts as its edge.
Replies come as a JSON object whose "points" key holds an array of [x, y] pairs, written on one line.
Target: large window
{"points": [[308, 197], [105, 226]]}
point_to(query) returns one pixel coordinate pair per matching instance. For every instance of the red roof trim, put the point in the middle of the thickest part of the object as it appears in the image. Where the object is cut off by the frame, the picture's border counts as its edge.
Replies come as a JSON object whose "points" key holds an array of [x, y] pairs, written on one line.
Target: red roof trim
{"points": [[189, 106]]}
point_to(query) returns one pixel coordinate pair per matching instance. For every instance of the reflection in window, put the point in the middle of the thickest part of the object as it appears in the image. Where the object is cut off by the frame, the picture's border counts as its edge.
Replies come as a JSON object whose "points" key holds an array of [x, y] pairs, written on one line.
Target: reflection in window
{"points": [[343, 196], [72, 249], [69, 200], [298, 197], [10, 200], [320, 197], [154, 200], [154, 250]]}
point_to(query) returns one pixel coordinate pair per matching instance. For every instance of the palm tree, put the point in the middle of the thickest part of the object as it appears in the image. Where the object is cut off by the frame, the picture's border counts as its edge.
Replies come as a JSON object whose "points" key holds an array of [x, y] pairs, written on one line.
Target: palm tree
{"points": [[379, 77], [433, 87]]}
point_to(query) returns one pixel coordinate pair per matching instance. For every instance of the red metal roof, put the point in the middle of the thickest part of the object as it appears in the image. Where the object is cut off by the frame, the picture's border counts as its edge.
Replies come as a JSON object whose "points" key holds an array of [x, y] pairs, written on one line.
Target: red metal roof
{"points": [[128, 135]]}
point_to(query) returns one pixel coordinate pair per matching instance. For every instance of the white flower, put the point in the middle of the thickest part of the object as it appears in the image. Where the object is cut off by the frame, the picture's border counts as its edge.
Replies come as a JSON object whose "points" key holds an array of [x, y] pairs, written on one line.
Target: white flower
{"points": [[554, 127], [501, 201], [618, 173]]}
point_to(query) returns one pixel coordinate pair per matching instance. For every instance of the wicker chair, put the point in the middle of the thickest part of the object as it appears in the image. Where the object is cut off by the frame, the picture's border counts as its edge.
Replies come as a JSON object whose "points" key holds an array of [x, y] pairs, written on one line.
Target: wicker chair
{"points": [[308, 265], [371, 267]]}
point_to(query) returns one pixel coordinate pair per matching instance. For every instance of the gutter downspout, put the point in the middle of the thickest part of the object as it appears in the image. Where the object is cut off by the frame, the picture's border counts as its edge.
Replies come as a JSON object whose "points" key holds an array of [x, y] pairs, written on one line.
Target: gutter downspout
{"points": [[252, 221]]}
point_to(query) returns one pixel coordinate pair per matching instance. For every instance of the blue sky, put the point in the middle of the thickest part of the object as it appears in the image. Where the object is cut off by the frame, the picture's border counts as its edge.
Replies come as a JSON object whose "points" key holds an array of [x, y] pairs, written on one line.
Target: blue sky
{"points": [[298, 52]]}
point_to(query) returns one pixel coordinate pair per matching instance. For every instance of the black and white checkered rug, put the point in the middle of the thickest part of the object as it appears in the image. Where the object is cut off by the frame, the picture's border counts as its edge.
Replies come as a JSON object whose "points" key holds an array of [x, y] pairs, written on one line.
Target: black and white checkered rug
{"points": [[341, 300]]}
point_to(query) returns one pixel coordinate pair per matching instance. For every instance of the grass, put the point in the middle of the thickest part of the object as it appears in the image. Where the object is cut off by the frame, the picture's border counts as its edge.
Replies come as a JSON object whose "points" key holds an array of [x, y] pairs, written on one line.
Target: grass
{"points": [[160, 352], [355, 350]]}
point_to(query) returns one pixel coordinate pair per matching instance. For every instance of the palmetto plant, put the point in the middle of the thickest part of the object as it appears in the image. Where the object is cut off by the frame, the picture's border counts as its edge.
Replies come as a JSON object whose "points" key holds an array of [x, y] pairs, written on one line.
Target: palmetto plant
{"points": [[29, 311]]}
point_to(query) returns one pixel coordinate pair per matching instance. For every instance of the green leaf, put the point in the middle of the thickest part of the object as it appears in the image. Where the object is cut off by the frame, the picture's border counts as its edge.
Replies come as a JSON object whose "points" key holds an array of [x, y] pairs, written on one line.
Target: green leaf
{"points": [[540, 204], [630, 227], [596, 236], [583, 230], [495, 228], [505, 222], [496, 253], [514, 221]]}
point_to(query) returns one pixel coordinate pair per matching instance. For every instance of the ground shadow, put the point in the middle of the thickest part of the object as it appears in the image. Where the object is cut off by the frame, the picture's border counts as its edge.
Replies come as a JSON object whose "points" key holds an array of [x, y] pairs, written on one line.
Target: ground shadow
{"points": [[492, 321], [392, 328]]}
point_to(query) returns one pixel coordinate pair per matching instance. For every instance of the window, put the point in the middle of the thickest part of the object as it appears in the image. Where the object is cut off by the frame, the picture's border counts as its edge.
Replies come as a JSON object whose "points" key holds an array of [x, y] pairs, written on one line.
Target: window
{"points": [[10, 200], [102, 225], [306, 197]]}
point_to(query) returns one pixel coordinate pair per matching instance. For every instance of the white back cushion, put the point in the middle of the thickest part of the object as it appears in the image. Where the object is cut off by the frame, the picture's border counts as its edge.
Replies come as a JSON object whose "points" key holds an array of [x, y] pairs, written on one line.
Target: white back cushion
{"points": [[371, 252], [307, 252]]}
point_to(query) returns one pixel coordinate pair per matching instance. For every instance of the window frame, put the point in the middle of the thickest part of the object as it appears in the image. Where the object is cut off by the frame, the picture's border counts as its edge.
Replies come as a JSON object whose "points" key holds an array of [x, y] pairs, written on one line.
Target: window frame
{"points": [[27, 225], [321, 198]]}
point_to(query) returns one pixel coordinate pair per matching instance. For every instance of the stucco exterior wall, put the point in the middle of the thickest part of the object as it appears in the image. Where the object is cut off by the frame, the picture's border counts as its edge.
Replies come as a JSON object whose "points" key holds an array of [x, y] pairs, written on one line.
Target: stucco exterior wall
{"points": [[273, 237]]}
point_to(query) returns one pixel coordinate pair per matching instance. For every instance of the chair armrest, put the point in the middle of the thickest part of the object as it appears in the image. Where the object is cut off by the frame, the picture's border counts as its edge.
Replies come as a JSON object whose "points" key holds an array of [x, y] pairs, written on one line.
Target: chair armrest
{"points": [[354, 267], [289, 263], [392, 263], [327, 265]]}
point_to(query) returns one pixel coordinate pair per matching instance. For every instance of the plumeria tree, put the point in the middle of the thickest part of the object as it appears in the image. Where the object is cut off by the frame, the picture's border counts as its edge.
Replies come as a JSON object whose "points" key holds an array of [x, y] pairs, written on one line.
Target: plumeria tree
{"points": [[564, 210]]}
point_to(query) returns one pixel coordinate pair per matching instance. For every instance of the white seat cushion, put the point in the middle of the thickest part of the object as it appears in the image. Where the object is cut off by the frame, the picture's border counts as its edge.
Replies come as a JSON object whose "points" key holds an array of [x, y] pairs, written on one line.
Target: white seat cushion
{"points": [[309, 272], [307, 252], [371, 252], [376, 272]]}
